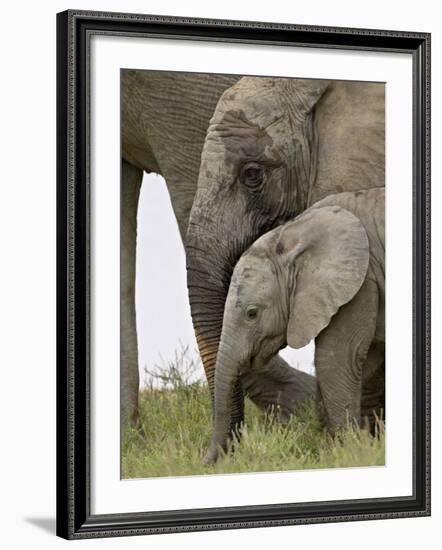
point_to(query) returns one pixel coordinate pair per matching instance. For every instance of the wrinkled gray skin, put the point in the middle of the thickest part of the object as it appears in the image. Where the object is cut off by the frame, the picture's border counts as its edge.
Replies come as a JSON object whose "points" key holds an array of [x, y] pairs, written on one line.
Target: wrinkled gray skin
{"points": [[164, 118], [320, 276], [274, 147]]}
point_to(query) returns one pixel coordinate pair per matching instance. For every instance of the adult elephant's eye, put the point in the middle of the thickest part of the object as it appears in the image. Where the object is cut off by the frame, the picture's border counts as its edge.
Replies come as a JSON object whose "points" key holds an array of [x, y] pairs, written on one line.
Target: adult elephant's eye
{"points": [[252, 175], [252, 313]]}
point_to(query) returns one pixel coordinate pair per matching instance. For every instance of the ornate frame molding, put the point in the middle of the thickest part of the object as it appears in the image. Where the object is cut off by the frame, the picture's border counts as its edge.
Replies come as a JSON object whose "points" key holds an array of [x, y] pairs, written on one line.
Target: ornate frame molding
{"points": [[74, 30]]}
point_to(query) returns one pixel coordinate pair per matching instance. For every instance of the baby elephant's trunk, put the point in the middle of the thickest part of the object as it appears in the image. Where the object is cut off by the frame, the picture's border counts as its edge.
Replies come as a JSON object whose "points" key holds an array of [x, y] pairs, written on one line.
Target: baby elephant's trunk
{"points": [[226, 377]]}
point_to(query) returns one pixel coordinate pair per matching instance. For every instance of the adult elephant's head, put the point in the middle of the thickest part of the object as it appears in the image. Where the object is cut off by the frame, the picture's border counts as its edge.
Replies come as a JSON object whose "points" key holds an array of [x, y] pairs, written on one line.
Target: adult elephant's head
{"points": [[257, 167]]}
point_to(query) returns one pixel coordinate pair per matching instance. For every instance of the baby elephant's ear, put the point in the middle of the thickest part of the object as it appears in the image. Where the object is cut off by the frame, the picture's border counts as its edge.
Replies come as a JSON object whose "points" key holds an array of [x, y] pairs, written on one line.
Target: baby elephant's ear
{"points": [[327, 251]]}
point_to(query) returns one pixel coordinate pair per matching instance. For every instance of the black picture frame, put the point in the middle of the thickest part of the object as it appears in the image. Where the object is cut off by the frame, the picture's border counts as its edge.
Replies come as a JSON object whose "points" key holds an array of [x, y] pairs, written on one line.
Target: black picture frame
{"points": [[74, 518]]}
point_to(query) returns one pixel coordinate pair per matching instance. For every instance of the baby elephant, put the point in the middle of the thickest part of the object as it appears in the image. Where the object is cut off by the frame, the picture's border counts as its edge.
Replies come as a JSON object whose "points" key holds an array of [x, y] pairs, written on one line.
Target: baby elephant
{"points": [[320, 276]]}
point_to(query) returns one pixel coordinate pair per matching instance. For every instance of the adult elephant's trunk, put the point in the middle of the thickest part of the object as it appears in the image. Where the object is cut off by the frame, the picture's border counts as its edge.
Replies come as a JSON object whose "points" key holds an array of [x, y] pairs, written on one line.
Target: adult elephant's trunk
{"points": [[208, 281], [213, 246], [226, 380]]}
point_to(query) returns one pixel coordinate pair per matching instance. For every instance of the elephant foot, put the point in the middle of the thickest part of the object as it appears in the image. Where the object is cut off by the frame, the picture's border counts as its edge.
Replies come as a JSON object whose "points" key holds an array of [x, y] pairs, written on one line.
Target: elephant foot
{"points": [[374, 421], [217, 450], [211, 456], [214, 452]]}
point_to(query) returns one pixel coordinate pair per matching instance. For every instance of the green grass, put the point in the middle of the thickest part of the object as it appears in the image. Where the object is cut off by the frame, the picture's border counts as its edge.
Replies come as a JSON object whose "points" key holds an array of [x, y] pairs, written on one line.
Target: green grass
{"points": [[175, 429]]}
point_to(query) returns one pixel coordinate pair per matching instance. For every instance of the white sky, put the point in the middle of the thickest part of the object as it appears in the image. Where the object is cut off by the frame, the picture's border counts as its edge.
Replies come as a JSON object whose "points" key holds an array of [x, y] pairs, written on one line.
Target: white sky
{"points": [[163, 314]]}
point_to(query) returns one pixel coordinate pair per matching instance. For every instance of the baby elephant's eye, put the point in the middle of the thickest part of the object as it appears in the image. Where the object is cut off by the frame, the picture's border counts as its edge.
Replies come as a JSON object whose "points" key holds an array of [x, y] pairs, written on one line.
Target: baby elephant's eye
{"points": [[252, 312]]}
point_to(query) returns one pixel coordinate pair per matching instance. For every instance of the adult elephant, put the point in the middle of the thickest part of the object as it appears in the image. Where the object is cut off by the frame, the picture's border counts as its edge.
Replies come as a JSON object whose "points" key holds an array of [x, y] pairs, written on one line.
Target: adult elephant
{"points": [[164, 118], [274, 146]]}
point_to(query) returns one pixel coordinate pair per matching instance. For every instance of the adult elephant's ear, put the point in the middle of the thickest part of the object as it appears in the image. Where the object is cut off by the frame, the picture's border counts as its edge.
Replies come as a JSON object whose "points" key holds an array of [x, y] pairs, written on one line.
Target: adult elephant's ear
{"points": [[305, 94], [327, 251]]}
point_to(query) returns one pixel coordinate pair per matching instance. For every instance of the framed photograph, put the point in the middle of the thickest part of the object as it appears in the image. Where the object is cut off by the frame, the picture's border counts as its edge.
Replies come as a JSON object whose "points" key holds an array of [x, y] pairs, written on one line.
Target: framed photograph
{"points": [[243, 274]]}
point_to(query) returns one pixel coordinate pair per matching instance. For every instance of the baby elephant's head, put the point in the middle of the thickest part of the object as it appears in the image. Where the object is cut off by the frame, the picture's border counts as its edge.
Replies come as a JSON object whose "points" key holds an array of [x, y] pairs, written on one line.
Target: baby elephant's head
{"points": [[255, 315], [284, 290]]}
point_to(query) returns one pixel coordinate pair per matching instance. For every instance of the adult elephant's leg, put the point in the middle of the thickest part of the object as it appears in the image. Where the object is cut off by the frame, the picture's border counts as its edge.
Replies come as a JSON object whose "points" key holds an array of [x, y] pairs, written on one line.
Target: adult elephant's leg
{"points": [[341, 351], [130, 191], [278, 388]]}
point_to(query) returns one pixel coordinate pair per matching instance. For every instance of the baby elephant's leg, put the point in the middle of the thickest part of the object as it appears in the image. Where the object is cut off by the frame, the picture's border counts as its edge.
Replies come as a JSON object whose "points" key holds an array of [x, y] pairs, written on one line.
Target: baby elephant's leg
{"points": [[340, 354], [278, 388], [373, 386]]}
